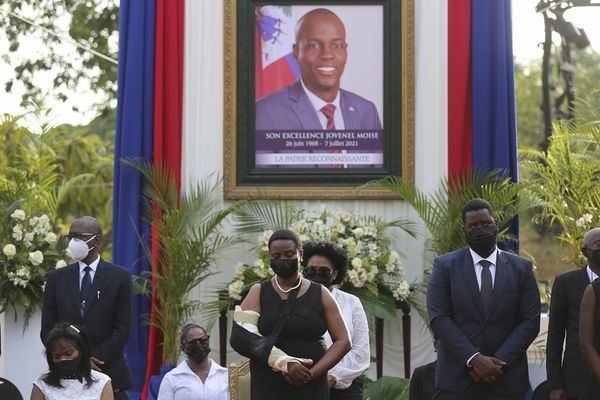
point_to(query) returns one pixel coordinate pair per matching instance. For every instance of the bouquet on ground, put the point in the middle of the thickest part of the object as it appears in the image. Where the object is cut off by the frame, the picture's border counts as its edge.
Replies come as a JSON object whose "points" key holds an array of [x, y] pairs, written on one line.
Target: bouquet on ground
{"points": [[29, 253], [375, 273]]}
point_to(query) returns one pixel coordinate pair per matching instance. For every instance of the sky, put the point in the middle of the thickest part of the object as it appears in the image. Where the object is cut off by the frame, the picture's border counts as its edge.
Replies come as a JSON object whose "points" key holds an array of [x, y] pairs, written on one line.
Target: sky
{"points": [[528, 33]]}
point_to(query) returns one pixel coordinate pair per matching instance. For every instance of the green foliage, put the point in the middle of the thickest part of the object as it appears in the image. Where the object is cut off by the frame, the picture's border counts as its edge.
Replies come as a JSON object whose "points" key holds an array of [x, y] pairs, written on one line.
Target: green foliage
{"points": [[565, 179], [30, 252], [93, 24], [528, 94], [386, 387], [441, 210], [64, 172], [375, 274], [190, 235]]}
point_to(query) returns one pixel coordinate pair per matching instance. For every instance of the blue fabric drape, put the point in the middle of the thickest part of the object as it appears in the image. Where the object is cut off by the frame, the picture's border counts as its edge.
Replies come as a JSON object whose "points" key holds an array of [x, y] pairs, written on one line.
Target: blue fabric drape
{"points": [[493, 85], [134, 133]]}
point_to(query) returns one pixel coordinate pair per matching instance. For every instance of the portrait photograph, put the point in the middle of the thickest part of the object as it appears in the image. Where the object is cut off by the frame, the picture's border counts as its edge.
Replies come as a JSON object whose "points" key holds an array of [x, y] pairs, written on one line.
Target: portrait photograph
{"points": [[319, 95]]}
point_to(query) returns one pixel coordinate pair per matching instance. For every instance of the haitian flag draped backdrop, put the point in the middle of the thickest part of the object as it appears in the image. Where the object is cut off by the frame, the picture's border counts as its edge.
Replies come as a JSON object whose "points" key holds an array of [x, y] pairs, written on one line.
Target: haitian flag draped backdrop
{"points": [[149, 128], [481, 117], [482, 128]]}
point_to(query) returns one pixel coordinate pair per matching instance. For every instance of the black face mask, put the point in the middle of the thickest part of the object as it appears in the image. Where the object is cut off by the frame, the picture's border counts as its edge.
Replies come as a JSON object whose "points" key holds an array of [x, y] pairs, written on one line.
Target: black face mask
{"points": [[482, 239], [197, 352], [68, 367], [319, 275], [284, 267]]}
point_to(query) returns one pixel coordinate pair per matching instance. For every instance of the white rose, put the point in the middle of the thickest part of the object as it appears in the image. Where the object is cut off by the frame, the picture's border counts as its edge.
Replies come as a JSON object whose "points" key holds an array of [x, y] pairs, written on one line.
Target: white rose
{"points": [[357, 262], [239, 269], [51, 238], [235, 289], [18, 214], [60, 264], [28, 237], [9, 250], [403, 290], [36, 257], [17, 232]]}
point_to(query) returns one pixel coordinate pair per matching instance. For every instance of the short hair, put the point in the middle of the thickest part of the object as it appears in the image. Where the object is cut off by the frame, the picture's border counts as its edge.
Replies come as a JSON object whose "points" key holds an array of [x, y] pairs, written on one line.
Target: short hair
{"points": [[333, 252], [93, 223], [186, 329], [285, 234], [76, 337], [476, 205]]}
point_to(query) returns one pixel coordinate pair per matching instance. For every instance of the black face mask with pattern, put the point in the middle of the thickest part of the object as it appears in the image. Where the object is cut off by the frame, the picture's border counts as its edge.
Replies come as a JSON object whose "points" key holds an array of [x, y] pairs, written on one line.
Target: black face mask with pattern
{"points": [[68, 367], [284, 267]]}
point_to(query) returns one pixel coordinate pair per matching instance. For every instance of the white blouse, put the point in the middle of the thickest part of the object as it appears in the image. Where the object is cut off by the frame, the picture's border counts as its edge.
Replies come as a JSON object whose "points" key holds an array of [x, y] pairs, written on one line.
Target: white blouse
{"points": [[181, 383], [357, 360], [73, 389]]}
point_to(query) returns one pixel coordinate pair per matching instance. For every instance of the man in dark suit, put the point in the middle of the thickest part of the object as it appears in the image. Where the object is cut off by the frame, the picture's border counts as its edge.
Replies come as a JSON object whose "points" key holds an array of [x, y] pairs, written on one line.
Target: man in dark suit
{"points": [[96, 295], [568, 377], [422, 381], [484, 308], [316, 102]]}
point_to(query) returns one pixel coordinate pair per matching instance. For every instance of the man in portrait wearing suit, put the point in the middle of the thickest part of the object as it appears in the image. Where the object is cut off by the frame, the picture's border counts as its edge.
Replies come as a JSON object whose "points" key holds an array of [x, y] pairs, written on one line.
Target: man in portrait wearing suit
{"points": [[315, 101], [568, 377], [484, 307], [96, 295]]}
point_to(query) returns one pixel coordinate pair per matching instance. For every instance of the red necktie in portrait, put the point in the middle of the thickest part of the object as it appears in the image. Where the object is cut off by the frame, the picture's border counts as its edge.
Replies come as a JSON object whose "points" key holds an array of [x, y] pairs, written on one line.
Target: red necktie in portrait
{"points": [[328, 110]]}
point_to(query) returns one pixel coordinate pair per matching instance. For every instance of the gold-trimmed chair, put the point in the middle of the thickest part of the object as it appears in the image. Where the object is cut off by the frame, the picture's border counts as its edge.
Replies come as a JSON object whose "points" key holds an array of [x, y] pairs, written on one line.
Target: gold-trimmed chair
{"points": [[239, 381]]}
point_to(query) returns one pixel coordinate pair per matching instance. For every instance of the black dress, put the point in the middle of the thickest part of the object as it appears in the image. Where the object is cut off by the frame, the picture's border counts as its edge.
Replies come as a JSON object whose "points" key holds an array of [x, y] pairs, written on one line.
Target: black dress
{"points": [[302, 337], [593, 391]]}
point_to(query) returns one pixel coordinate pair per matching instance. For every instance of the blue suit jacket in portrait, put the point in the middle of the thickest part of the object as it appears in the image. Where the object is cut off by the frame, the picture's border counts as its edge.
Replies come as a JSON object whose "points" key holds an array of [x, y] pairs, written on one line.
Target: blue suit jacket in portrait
{"points": [[457, 318], [107, 317], [290, 108]]}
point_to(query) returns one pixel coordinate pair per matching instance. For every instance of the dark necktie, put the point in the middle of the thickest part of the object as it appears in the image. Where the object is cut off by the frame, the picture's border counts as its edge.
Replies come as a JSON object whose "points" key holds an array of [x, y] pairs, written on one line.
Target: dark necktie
{"points": [[86, 284], [486, 284], [328, 111]]}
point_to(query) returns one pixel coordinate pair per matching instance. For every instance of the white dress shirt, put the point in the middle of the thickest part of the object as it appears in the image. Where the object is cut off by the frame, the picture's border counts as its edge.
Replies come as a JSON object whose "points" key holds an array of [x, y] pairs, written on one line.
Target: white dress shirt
{"points": [[591, 274], [93, 266], [319, 103], [478, 268], [357, 360], [181, 383]]}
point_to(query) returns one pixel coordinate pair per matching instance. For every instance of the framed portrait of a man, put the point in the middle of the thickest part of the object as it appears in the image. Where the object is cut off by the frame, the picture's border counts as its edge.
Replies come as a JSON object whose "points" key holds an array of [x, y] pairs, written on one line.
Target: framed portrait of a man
{"points": [[318, 97]]}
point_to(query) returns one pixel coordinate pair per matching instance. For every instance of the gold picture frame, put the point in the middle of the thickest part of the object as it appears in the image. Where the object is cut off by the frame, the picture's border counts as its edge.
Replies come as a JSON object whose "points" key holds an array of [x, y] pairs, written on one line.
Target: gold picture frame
{"points": [[309, 186]]}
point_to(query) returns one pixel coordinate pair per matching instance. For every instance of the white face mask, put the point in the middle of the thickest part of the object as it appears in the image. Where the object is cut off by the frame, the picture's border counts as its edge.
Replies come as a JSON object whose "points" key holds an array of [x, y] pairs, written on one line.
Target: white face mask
{"points": [[79, 248]]}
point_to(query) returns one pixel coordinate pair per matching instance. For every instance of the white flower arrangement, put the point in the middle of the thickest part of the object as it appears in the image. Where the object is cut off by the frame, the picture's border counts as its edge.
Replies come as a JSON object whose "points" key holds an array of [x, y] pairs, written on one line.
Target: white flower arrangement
{"points": [[29, 253], [375, 269]]}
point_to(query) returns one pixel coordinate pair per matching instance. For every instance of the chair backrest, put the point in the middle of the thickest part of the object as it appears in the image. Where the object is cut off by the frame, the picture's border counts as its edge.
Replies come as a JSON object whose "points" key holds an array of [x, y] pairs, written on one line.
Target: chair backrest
{"points": [[8, 391], [239, 381], [541, 392]]}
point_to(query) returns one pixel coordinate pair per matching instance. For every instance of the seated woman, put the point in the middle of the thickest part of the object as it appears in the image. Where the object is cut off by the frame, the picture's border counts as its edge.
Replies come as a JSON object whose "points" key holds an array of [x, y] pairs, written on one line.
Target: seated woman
{"points": [[300, 342], [70, 375], [327, 264], [197, 377]]}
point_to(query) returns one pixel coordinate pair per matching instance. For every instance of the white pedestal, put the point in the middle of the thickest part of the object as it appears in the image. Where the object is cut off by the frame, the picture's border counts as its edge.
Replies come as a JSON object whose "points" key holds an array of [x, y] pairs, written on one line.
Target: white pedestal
{"points": [[23, 357]]}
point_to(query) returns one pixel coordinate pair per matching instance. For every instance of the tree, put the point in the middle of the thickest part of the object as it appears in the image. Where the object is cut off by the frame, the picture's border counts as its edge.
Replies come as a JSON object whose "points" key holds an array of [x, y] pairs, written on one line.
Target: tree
{"points": [[92, 24], [64, 171], [528, 85]]}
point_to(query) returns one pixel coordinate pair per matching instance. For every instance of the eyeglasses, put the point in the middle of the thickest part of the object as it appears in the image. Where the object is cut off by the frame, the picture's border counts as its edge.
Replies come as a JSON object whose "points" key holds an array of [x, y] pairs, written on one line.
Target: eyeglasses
{"points": [[80, 236], [321, 272], [202, 340]]}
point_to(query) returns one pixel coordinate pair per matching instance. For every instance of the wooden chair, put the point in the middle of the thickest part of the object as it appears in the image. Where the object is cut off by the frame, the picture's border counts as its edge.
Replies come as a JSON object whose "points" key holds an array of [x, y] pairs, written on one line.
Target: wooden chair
{"points": [[239, 381]]}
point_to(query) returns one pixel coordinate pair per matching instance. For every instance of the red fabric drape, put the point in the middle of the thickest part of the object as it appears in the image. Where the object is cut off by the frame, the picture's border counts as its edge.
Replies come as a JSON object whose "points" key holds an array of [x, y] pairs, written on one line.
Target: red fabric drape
{"points": [[460, 156], [168, 102]]}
